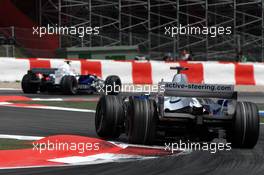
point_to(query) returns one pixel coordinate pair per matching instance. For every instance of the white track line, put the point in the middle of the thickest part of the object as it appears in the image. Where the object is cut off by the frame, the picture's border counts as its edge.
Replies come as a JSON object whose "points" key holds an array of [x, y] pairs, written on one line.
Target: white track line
{"points": [[47, 99], [7, 104], [62, 109], [10, 89], [20, 137], [64, 99]]}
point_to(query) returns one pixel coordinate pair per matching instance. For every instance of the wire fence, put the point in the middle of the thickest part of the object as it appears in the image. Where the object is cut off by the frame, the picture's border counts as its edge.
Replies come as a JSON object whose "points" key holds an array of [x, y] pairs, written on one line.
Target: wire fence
{"points": [[224, 48]]}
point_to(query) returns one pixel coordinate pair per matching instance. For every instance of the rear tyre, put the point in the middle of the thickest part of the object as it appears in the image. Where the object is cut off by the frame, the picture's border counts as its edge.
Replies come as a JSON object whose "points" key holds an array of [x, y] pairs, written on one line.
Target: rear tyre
{"points": [[69, 85], [28, 86], [245, 128], [113, 85], [52, 89], [43, 87], [142, 120], [109, 117]]}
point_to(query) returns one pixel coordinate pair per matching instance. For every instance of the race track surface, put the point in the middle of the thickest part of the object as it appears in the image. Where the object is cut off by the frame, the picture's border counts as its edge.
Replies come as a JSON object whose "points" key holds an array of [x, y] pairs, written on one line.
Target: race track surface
{"points": [[40, 122]]}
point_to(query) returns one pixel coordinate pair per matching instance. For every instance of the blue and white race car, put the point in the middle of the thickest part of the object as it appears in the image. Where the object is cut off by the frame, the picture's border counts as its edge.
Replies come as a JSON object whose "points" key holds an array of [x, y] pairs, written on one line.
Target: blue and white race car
{"points": [[199, 112], [68, 82]]}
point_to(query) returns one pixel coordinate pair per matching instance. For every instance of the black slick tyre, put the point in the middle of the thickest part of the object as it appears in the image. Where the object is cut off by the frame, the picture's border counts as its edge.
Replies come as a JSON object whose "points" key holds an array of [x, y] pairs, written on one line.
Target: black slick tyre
{"points": [[245, 126], [27, 85], [113, 85], [69, 85], [109, 117], [142, 120]]}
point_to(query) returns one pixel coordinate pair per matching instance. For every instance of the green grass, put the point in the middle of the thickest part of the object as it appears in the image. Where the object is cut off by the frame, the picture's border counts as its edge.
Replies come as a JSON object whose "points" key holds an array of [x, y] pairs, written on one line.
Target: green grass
{"points": [[12, 144], [261, 107], [66, 104]]}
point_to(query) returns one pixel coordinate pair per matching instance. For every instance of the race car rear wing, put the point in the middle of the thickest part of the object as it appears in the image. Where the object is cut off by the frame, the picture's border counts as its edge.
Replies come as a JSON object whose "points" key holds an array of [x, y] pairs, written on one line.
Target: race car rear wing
{"points": [[179, 69], [45, 71], [198, 90]]}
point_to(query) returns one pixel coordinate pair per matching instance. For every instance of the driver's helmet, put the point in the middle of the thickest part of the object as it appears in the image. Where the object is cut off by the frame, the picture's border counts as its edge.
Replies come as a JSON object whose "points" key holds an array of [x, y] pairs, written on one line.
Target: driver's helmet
{"points": [[180, 78], [67, 62]]}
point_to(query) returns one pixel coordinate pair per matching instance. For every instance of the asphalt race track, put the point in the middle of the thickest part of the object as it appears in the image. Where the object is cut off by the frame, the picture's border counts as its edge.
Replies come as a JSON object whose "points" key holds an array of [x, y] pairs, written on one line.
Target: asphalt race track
{"points": [[40, 122]]}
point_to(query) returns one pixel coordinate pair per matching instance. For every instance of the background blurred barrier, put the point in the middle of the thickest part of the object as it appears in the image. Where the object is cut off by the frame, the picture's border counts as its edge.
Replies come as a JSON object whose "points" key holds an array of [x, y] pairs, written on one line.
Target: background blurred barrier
{"points": [[143, 72]]}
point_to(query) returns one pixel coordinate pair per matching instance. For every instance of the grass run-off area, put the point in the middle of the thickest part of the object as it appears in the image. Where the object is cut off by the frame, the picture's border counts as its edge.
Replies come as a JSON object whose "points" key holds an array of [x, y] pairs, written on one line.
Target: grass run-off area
{"points": [[12, 144]]}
